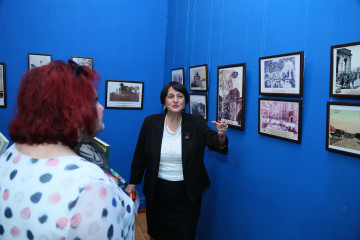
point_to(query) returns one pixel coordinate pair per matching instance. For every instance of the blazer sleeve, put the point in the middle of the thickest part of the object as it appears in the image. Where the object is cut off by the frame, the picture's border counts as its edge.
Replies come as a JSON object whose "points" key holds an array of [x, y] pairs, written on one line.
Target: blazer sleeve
{"points": [[139, 162], [212, 139]]}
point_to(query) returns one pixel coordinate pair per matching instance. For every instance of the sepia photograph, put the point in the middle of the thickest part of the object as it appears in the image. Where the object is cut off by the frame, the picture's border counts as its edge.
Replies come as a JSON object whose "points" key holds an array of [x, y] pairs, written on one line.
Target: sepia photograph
{"points": [[231, 95], [124, 94], [2, 86], [38, 60], [280, 118], [343, 128], [198, 105], [178, 75], [282, 74], [198, 78], [345, 70], [83, 61]]}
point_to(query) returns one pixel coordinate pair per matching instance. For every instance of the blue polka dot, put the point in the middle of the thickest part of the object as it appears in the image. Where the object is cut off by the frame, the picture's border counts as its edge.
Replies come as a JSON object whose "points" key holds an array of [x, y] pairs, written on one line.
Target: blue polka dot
{"points": [[77, 238], [8, 157], [104, 213], [29, 235], [45, 178], [114, 202], [43, 218], [34, 160], [110, 232], [13, 174], [122, 233], [72, 204], [128, 208], [122, 203], [71, 167], [8, 212], [1, 230], [35, 198]]}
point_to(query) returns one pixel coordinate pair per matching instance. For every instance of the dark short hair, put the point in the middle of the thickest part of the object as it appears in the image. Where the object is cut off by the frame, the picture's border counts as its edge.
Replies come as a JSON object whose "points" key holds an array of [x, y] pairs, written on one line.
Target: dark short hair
{"points": [[54, 103], [177, 87]]}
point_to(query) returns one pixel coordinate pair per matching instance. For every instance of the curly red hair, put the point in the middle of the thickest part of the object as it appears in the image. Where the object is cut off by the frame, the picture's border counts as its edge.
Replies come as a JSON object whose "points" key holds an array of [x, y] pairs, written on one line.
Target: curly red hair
{"points": [[54, 104]]}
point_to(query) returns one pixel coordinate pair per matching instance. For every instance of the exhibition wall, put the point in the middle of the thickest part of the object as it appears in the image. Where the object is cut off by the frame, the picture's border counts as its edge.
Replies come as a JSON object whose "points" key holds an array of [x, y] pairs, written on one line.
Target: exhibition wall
{"points": [[268, 188]]}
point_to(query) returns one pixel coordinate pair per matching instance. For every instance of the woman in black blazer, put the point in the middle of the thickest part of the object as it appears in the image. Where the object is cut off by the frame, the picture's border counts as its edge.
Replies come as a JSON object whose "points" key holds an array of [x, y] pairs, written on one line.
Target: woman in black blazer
{"points": [[170, 150]]}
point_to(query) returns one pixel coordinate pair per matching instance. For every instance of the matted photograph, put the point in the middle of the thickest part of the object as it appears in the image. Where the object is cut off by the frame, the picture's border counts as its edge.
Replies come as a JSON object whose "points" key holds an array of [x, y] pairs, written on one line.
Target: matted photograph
{"points": [[343, 128], [198, 104], [2, 85], [178, 75], [38, 60], [198, 78], [83, 61], [231, 95], [124, 94], [345, 70], [282, 75], [280, 118]]}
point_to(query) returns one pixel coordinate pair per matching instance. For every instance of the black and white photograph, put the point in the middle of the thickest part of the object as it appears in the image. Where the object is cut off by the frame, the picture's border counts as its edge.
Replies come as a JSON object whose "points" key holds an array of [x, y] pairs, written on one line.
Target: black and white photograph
{"points": [[83, 61], [343, 128], [198, 78], [2, 85], [178, 75], [124, 94], [38, 60], [282, 74], [231, 95], [280, 118], [198, 104], [345, 70]]}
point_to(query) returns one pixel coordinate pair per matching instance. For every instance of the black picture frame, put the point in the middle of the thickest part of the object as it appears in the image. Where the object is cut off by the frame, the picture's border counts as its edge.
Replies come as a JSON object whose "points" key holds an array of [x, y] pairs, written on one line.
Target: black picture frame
{"points": [[121, 94], [345, 70], [230, 105], [198, 104], [282, 75], [178, 75], [343, 128], [3, 85], [37, 60], [280, 118], [198, 78], [83, 61]]}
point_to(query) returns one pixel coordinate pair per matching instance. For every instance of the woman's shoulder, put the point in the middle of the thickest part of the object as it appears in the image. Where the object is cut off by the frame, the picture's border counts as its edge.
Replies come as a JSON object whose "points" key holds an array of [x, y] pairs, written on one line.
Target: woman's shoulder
{"points": [[155, 117]]}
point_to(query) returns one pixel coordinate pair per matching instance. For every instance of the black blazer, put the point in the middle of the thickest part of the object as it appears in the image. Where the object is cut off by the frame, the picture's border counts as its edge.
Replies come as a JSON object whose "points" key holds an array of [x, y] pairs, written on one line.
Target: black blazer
{"points": [[195, 135]]}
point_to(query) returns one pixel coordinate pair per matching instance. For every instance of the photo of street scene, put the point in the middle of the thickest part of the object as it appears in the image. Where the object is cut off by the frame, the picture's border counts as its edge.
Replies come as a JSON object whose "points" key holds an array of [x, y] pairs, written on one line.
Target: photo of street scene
{"points": [[198, 78], [280, 119], [344, 128], [124, 94], [177, 75], [83, 61], [230, 95], [198, 104]]}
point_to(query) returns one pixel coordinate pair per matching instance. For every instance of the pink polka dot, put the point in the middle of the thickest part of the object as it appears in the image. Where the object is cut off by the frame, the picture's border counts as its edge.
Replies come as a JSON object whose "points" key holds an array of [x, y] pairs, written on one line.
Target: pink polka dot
{"points": [[52, 162], [17, 159], [88, 187], [6, 194], [25, 214], [75, 221], [62, 222], [54, 198], [15, 231], [102, 193]]}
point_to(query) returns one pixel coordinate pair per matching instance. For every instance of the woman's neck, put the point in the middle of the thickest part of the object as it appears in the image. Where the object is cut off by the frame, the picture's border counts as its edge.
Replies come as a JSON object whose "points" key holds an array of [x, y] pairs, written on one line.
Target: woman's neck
{"points": [[173, 120], [45, 150]]}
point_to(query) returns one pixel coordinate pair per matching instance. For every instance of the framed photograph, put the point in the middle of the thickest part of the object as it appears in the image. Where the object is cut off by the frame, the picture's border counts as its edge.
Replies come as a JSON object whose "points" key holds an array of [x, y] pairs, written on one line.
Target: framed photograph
{"points": [[345, 70], [83, 61], [124, 94], [231, 95], [282, 75], [198, 78], [280, 118], [343, 128], [2, 86], [178, 75], [37, 60], [198, 105]]}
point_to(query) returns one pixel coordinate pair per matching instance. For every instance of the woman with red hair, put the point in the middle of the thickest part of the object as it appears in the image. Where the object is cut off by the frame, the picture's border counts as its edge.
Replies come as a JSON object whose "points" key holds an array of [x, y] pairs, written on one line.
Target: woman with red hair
{"points": [[47, 190]]}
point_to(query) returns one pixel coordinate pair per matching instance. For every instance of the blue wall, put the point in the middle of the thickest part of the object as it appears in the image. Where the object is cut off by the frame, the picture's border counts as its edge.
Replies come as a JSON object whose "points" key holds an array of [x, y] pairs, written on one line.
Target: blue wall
{"points": [[126, 39], [268, 188]]}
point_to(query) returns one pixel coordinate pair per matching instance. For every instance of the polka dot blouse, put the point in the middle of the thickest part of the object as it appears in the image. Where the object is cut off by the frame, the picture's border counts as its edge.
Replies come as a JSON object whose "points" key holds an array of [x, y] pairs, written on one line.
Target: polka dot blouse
{"points": [[60, 198]]}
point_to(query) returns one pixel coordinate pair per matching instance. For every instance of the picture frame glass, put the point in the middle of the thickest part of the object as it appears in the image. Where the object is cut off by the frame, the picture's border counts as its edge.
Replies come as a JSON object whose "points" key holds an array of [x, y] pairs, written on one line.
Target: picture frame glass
{"points": [[345, 70], [37, 60], [198, 78], [231, 95], [343, 130], [198, 105], [124, 94], [83, 61], [177, 75], [281, 74]]}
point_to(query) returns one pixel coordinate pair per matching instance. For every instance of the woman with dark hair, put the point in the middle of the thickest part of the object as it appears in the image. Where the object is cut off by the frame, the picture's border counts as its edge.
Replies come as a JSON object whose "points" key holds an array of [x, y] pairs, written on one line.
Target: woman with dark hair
{"points": [[170, 150], [47, 191]]}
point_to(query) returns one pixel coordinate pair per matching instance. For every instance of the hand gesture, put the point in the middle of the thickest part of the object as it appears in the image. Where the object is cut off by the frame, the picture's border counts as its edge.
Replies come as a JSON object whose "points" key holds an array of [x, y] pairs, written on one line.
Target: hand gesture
{"points": [[221, 128]]}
